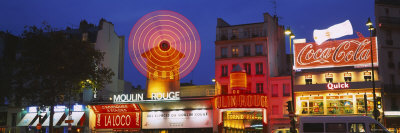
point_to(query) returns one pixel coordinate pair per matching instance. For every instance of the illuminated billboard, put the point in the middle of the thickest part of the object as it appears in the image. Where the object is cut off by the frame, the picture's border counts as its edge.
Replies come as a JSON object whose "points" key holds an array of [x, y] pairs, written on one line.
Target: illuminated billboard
{"points": [[177, 119], [336, 53]]}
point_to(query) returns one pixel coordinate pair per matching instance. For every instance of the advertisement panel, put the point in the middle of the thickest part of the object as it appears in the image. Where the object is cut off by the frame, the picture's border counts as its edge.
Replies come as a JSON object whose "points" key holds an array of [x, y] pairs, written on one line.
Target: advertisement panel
{"points": [[336, 53], [117, 120], [117, 116], [177, 119], [115, 108]]}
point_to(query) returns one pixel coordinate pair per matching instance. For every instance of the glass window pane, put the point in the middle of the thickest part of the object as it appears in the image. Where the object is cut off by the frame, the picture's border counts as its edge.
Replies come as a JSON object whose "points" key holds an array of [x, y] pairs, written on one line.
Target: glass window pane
{"points": [[335, 127], [375, 128], [313, 127]]}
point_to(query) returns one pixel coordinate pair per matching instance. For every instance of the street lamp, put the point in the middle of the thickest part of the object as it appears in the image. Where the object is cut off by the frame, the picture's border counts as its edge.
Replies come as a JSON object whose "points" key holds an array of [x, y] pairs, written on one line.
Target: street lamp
{"points": [[376, 112], [289, 33]]}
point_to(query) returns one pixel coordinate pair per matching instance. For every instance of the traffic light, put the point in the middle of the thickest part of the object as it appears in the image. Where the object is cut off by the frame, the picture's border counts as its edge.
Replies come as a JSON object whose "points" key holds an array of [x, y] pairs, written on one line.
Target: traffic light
{"points": [[379, 102], [289, 106]]}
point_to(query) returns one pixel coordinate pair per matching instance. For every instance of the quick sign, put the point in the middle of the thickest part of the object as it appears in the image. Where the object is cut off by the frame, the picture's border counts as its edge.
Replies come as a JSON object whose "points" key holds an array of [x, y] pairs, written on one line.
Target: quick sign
{"points": [[241, 101], [334, 86], [337, 53], [177, 119]]}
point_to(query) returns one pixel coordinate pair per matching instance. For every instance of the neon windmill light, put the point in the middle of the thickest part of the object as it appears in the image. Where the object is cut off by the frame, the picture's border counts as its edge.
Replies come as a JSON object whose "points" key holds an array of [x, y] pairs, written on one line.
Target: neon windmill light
{"points": [[165, 47]]}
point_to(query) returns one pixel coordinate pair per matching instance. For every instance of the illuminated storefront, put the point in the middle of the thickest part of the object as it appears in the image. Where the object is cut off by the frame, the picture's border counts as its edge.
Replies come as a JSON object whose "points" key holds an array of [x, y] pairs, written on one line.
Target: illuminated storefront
{"points": [[334, 79], [115, 117], [241, 113]]}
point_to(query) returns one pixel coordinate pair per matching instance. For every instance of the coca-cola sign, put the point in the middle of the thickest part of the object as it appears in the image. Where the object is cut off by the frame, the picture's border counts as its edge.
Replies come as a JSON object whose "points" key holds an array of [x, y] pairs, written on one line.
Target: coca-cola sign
{"points": [[336, 53]]}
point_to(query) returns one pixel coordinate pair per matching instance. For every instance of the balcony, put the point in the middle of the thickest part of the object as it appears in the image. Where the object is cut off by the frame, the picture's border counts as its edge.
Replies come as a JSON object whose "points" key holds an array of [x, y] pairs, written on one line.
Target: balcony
{"points": [[239, 35], [323, 87]]}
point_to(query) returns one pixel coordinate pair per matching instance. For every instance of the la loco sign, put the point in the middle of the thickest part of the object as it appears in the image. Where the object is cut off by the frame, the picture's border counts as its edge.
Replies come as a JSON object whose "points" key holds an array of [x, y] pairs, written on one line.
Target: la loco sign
{"points": [[117, 116], [338, 53]]}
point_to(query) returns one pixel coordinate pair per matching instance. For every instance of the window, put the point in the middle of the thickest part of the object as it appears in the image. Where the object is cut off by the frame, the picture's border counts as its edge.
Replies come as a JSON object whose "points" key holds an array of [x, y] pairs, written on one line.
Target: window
{"points": [[335, 127], [224, 52], [235, 34], [388, 36], [347, 77], [235, 51], [341, 104], [274, 90], [259, 68], [224, 89], [224, 70], [234, 65], [356, 128], [247, 67], [259, 49], [376, 128], [275, 109], [260, 87], [387, 11], [313, 127], [286, 89], [246, 50], [312, 105]]}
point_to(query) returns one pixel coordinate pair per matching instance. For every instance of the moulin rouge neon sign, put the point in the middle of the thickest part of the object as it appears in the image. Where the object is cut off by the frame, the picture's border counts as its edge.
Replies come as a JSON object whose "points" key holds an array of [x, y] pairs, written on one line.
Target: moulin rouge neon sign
{"points": [[350, 52]]}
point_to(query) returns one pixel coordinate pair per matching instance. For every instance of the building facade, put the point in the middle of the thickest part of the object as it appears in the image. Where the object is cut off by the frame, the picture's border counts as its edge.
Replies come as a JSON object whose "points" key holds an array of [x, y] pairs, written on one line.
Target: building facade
{"points": [[387, 18], [257, 50]]}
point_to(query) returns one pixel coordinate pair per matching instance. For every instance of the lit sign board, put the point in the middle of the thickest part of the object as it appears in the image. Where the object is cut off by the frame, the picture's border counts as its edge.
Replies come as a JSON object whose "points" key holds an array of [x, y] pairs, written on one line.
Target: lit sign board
{"points": [[177, 119], [117, 116], [333, 86], [59, 108], [122, 98], [241, 101], [337, 53]]}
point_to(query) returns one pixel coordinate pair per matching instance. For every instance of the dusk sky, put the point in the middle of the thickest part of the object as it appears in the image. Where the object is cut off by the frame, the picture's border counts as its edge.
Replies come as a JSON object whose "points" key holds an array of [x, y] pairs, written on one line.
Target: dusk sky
{"points": [[303, 16]]}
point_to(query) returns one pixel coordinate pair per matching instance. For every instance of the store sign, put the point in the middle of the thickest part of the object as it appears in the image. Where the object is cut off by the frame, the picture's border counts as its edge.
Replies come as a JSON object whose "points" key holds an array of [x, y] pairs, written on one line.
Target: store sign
{"points": [[337, 53], [241, 101], [177, 119], [118, 120], [243, 117], [115, 108], [123, 98], [334, 86]]}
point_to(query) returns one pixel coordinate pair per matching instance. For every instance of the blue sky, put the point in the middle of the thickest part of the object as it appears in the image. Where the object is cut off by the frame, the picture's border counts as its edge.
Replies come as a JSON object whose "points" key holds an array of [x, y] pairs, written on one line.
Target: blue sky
{"points": [[303, 16]]}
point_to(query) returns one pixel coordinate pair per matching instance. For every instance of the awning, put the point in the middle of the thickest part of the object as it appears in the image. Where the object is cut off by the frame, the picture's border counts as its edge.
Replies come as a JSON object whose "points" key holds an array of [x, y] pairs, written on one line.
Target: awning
{"points": [[27, 119], [76, 116], [56, 117], [37, 120]]}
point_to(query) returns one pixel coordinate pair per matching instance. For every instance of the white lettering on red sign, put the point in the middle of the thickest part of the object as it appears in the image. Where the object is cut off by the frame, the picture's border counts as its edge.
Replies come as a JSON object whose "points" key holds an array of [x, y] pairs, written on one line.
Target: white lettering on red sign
{"points": [[332, 86]]}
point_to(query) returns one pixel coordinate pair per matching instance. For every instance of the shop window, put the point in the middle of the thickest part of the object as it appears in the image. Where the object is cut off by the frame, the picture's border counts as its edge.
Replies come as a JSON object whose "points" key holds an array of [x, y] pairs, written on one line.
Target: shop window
{"points": [[246, 50], [367, 76], [329, 77], [259, 68], [259, 49], [313, 127], [275, 110], [235, 51], [356, 128], [286, 89], [335, 127], [308, 79], [274, 90], [361, 103], [347, 77], [260, 87], [312, 105], [247, 67], [224, 52], [224, 71], [340, 104]]}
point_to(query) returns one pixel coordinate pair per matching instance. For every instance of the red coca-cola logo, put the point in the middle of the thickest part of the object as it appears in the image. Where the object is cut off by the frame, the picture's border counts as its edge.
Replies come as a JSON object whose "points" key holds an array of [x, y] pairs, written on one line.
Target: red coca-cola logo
{"points": [[350, 52]]}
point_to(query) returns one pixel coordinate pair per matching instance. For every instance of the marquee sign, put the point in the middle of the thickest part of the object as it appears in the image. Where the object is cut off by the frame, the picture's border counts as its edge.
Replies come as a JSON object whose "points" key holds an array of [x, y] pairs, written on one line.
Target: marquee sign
{"points": [[117, 116], [337, 53], [177, 119], [241, 101], [124, 98]]}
